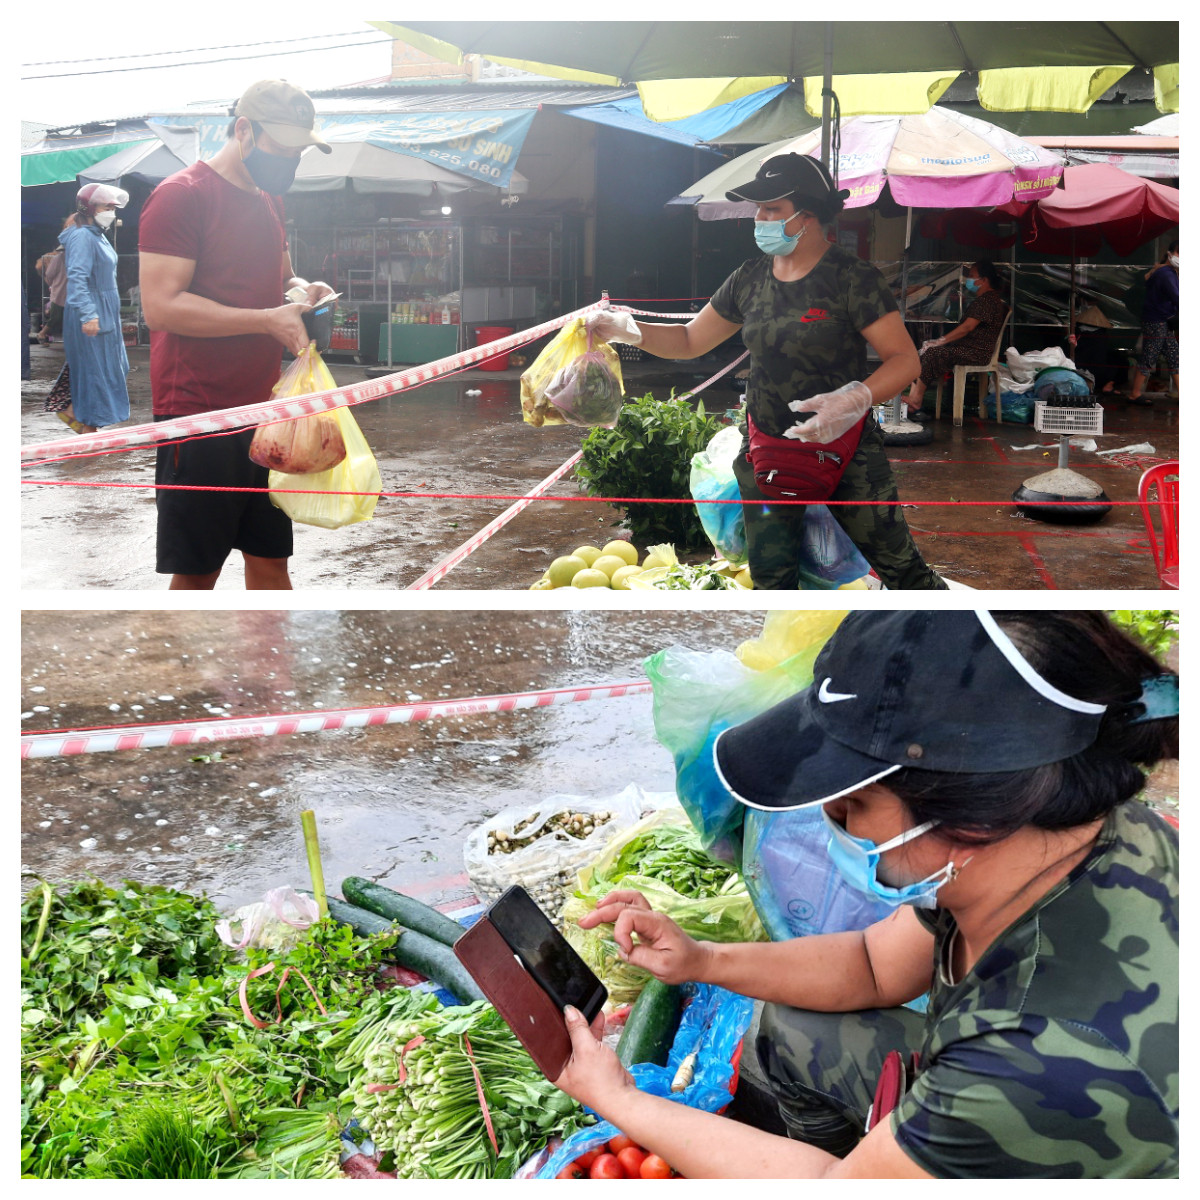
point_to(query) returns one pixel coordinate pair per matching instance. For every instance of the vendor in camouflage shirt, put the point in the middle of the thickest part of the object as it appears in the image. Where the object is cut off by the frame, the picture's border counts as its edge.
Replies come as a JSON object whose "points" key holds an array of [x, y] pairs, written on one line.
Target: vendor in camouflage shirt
{"points": [[807, 311], [977, 773]]}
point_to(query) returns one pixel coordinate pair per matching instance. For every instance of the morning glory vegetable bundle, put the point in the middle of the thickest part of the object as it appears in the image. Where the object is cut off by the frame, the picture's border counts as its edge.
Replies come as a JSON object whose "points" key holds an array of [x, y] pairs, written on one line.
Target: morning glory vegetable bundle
{"points": [[453, 1095]]}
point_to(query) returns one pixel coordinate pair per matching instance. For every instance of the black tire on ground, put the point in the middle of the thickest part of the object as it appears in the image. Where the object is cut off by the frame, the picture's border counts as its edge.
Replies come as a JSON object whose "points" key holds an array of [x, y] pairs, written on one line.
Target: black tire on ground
{"points": [[919, 437], [1035, 504]]}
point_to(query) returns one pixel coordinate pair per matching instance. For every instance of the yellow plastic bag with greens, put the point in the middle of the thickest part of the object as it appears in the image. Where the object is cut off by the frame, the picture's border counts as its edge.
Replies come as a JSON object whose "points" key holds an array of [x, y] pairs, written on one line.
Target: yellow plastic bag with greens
{"points": [[322, 499], [304, 445], [573, 382], [661, 857]]}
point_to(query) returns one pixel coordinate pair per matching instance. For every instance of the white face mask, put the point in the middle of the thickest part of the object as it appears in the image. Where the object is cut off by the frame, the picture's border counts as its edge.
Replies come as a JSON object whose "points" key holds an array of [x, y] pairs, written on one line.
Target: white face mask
{"points": [[1173, 259], [106, 218]]}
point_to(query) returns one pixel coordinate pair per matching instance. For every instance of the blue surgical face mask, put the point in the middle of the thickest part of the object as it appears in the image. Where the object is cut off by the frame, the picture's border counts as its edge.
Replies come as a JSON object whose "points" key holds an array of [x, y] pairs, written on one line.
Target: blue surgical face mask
{"points": [[771, 239], [857, 859], [972, 285], [273, 173]]}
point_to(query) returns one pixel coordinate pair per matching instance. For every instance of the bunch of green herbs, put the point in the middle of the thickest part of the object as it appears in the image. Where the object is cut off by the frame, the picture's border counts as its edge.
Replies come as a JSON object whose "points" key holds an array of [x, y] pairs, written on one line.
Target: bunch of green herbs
{"points": [[648, 455], [130, 1011]]}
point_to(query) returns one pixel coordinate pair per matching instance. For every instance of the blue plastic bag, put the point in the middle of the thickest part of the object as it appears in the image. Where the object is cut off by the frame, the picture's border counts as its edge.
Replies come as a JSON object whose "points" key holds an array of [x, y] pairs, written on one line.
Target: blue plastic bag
{"points": [[828, 557], [713, 1023], [712, 478], [793, 882]]}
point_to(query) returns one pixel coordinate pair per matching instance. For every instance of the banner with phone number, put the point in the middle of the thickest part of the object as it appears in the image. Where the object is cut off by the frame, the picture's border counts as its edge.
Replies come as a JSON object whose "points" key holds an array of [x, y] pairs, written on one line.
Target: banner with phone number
{"points": [[483, 145]]}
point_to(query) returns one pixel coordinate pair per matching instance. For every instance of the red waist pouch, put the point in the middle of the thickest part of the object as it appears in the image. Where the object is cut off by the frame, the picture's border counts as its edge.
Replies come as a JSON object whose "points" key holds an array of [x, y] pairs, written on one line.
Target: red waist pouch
{"points": [[787, 469]]}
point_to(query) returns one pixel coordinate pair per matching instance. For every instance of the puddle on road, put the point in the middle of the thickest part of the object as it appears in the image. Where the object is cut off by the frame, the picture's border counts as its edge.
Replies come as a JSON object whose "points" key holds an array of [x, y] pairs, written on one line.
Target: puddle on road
{"points": [[393, 802]]}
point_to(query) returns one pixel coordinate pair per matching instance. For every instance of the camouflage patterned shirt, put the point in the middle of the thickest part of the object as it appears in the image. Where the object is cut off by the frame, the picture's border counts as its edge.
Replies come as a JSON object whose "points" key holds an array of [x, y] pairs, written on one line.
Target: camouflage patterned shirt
{"points": [[1058, 1053], [805, 336]]}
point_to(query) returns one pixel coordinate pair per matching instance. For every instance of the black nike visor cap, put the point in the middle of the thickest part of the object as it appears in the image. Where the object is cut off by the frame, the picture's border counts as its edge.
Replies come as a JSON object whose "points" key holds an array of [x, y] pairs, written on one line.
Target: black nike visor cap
{"points": [[800, 178], [931, 690]]}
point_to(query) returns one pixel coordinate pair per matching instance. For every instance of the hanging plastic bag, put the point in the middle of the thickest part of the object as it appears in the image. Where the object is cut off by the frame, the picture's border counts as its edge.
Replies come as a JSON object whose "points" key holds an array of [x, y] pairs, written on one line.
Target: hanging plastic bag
{"points": [[305, 445], [713, 1028], [573, 382], [828, 558], [697, 694], [342, 495], [711, 479], [276, 922], [547, 855]]}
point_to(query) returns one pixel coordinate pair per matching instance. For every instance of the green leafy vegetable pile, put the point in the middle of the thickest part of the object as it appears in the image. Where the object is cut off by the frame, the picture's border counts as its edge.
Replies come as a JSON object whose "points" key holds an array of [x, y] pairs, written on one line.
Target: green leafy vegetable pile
{"points": [[134, 1048], [418, 1095], [648, 454], [668, 865]]}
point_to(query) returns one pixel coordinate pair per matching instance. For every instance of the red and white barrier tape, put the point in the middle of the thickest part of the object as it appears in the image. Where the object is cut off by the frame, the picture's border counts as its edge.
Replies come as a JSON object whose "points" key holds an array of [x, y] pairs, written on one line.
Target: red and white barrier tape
{"points": [[227, 419], [447, 564], [53, 744]]}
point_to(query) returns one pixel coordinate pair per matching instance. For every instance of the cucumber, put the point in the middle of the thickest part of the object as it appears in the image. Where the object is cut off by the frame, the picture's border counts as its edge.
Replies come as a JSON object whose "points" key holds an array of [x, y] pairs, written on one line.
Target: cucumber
{"points": [[412, 949], [651, 1025], [410, 913]]}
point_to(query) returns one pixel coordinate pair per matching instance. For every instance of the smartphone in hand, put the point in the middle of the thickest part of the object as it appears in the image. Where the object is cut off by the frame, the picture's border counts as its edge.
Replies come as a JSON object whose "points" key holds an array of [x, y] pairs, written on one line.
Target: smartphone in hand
{"points": [[529, 971]]}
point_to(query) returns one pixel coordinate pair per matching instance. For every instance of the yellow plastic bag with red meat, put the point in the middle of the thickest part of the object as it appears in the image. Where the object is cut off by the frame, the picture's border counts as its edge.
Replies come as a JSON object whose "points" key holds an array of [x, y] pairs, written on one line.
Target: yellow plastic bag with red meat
{"points": [[343, 495], [304, 445]]}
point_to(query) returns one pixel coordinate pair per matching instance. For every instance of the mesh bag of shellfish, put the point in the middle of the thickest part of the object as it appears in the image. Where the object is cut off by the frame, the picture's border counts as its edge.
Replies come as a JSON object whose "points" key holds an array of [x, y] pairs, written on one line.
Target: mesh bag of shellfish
{"points": [[542, 846]]}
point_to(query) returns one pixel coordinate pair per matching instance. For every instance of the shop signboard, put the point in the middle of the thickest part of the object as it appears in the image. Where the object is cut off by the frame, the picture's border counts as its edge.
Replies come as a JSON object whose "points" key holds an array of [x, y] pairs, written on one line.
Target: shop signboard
{"points": [[481, 144]]}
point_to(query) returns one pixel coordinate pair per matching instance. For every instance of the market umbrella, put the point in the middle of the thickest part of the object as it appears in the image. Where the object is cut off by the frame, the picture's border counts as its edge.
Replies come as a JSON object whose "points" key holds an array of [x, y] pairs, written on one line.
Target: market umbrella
{"points": [[709, 62], [374, 169], [938, 159], [1097, 203]]}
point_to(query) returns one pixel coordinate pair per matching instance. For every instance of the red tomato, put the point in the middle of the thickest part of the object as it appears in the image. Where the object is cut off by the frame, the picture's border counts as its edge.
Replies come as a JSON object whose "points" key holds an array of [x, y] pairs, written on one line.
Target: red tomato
{"points": [[586, 1160], [654, 1167], [572, 1171], [607, 1166], [631, 1158], [617, 1144]]}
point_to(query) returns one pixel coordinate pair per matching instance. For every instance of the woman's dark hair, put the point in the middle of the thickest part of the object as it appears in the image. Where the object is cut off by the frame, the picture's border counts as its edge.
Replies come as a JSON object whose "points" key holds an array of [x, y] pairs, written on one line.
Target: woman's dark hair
{"points": [[987, 269], [1085, 655]]}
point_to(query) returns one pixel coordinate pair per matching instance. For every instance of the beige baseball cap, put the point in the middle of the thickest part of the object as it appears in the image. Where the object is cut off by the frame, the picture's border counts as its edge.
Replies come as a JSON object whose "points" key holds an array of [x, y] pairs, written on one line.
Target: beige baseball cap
{"points": [[285, 112]]}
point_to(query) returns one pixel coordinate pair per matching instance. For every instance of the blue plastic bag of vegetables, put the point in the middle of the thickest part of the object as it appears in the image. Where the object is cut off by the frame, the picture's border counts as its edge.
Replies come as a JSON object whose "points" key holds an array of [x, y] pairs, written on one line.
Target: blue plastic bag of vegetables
{"points": [[713, 1024], [712, 479]]}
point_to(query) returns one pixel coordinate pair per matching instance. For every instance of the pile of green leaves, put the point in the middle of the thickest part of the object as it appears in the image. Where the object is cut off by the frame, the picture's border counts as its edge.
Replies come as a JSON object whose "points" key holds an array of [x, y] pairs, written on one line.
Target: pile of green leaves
{"points": [[648, 454], [671, 854], [133, 1042], [1156, 628]]}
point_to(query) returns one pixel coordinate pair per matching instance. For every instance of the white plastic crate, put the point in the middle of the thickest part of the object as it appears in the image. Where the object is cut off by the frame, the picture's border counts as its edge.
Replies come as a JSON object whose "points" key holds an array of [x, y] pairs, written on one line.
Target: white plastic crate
{"points": [[1049, 418]]}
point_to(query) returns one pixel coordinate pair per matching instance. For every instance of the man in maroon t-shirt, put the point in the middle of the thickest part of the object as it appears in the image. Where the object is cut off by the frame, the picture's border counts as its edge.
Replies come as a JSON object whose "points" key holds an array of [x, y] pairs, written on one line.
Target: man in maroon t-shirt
{"points": [[214, 266]]}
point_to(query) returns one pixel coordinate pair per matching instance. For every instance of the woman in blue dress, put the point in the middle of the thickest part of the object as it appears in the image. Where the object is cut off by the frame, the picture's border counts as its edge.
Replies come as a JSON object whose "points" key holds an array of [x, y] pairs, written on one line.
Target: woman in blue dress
{"points": [[92, 335]]}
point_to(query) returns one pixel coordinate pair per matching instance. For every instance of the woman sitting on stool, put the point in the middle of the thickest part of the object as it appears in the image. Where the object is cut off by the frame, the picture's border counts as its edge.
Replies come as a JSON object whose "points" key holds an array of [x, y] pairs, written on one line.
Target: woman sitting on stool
{"points": [[970, 343]]}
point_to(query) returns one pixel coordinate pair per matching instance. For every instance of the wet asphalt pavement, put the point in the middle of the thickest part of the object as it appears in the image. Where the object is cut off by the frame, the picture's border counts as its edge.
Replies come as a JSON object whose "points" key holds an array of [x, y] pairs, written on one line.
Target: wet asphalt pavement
{"points": [[439, 439], [393, 803]]}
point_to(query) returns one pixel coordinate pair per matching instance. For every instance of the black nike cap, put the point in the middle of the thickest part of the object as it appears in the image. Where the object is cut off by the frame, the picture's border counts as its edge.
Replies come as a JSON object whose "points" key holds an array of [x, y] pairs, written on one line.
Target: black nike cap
{"points": [[934, 690], [797, 177]]}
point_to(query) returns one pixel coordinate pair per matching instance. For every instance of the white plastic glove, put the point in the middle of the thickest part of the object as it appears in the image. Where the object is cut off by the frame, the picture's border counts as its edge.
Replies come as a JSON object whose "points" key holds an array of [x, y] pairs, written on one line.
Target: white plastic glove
{"points": [[609, 326], [930, 344], [835, 413]]}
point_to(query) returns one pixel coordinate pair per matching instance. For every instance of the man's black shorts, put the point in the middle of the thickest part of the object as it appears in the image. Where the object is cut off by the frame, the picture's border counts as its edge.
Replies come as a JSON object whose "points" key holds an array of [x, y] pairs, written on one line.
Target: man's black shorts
{"points": [[197, 530]]}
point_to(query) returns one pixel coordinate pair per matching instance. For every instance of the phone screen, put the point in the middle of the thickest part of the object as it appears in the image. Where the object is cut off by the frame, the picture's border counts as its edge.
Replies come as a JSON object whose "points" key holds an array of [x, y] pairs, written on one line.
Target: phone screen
{"points": [[546, 954]]}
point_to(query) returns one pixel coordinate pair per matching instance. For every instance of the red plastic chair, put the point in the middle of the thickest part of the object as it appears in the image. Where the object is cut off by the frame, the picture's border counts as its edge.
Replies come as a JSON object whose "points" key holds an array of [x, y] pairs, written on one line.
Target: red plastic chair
{"points": [[1163, 480]]}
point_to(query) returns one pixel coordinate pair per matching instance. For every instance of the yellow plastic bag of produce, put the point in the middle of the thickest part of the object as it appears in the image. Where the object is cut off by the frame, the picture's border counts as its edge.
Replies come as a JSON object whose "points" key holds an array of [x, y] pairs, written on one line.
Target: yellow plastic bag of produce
{"points": [[306, 445], [573, 382], [786, 634], [320, 499]]}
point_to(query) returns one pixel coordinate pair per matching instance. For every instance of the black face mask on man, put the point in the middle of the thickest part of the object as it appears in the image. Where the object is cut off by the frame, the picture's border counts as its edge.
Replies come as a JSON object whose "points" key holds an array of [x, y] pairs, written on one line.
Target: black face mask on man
{"points": [[273, 173]]}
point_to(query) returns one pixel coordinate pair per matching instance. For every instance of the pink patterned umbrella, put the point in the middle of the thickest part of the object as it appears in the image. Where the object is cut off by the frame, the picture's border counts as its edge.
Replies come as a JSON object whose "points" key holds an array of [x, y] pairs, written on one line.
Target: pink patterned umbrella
{"points": [[939, 159]]}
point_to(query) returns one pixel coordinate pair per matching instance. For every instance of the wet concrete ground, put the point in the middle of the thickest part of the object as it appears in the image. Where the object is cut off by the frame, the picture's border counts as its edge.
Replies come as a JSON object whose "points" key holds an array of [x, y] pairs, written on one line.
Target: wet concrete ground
{"points": [[393, 803], [438, 439]]}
